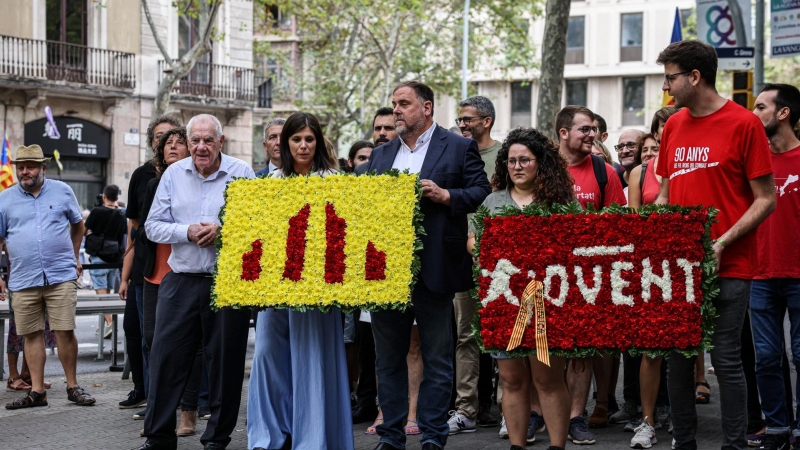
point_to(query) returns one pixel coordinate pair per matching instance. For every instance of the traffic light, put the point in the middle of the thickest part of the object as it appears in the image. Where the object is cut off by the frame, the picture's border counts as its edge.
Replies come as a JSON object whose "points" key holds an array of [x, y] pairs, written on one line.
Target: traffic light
{"points": [[743, 89]]}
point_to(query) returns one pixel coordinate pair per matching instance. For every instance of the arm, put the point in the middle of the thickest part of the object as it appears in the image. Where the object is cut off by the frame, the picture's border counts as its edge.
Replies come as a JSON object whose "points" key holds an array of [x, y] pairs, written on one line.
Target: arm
{"points": [[764, 202], [663, 195], [3, 290], [160, 225], [476, 185], [634, 190], [127, 261], [76, 231]]}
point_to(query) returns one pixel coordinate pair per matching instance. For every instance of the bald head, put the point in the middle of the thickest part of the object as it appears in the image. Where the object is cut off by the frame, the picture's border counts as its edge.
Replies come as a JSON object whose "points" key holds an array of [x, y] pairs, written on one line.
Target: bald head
{"points": [[626, 148]]}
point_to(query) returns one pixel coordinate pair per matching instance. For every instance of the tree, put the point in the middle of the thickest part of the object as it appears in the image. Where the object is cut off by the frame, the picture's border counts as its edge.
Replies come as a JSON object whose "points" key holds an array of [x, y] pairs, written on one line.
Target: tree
{"points": [[554, 51], [205, 11], [355, 52]]}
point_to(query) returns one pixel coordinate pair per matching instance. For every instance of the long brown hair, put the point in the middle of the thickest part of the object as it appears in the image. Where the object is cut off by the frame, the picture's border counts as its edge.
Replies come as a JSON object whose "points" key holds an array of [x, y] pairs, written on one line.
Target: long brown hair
{"points": [[158, 157], [553, 183]]}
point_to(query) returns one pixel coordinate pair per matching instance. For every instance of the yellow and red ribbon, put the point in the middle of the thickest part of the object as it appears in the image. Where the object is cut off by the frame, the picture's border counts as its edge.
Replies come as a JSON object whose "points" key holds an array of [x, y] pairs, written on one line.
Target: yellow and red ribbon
{"points": [[532, 304]]}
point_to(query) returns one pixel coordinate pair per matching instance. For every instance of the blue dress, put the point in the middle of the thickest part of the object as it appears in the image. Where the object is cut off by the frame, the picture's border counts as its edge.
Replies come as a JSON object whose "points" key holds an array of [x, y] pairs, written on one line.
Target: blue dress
{"points": [[298, 383]]}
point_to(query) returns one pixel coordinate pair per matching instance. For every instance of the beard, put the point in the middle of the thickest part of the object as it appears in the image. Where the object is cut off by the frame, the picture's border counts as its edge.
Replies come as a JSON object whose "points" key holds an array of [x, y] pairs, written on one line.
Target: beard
{"points": [[410, 128], [772, 127], [31, 183], [381, 140]]}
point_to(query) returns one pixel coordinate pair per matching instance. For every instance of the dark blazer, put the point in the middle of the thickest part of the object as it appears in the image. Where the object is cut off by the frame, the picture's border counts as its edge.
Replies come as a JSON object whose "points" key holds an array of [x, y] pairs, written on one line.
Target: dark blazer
{"points": [[453, 163]]}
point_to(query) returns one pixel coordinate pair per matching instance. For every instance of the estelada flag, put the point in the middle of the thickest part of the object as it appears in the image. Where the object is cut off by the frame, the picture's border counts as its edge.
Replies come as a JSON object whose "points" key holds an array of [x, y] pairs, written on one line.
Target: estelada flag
{"points": [[6, 171], [677, 36]]}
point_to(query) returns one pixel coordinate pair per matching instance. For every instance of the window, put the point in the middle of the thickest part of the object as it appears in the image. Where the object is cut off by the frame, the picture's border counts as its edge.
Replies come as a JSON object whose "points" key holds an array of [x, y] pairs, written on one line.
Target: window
{"points": [[199, 79], [575, 40], [277, 19], [576, 92], [66, 21], [520, 104], [631, 44], [633, 101]]}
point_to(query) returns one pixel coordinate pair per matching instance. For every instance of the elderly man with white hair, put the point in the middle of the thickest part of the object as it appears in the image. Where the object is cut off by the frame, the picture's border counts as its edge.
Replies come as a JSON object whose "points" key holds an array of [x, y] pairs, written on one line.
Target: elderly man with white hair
{"points": [[185, 214]]}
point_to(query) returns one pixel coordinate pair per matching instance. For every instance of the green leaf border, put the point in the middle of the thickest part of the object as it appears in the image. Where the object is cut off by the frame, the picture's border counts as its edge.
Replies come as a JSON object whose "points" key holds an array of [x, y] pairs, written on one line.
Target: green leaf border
{"points": [[709, 278], [415, 268]]}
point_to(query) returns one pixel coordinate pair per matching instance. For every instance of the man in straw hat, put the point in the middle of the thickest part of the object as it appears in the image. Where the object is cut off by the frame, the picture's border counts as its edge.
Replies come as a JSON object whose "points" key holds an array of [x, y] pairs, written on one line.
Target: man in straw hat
{"points": [[42, 227]]}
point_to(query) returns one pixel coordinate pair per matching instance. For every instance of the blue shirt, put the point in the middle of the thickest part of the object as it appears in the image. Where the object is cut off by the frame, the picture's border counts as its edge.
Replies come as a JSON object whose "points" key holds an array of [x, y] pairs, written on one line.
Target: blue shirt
{"points": [[36, 231], [267, 170], [185, 198]]}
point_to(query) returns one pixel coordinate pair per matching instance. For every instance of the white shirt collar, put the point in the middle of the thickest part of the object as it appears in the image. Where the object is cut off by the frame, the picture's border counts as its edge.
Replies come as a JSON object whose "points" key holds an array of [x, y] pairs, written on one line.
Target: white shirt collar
{"points": [[421, 141]]}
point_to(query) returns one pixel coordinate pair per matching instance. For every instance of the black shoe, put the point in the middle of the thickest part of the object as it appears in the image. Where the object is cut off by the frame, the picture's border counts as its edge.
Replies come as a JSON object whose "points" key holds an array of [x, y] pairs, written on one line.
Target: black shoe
{"points": [[386, 446], [139, 415], [155, 445], [775, 442], [214, 446], [486, 418], [430, 446], [135, 399], [517, 447], [203, 412], [32, 399], [363, 414]]}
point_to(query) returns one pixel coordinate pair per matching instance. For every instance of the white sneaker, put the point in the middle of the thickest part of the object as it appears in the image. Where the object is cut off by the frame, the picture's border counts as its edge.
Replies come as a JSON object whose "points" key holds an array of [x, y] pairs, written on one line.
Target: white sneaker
{"points": [[674, 443], [503, 429], [645, 436], [460, 424]]}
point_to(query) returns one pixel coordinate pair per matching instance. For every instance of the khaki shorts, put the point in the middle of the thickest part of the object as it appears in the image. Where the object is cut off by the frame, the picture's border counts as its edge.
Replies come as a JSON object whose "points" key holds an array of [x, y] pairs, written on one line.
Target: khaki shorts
{"points": [[60, 300]]}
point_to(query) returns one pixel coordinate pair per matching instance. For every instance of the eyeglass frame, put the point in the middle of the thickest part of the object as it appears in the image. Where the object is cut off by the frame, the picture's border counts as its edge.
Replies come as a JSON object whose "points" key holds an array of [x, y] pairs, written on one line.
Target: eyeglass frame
{"points": [[669, 78], [630, 145], [530, 160], [467, 119], [585, 133]]}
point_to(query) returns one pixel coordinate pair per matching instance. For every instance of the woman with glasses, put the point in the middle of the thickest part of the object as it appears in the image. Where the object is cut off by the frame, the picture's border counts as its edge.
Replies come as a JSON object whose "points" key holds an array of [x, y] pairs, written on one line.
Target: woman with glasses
{"points": [[529, 170]]}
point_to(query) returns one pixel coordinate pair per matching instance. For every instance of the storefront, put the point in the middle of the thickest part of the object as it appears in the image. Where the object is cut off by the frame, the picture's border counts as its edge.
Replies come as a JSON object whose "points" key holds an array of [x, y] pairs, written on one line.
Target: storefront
{"points": [[84, 149]]}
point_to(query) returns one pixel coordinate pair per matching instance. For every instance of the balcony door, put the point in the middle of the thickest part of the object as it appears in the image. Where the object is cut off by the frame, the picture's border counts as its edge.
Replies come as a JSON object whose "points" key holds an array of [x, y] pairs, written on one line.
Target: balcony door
{"points": [[199, 80], [66, 40]]}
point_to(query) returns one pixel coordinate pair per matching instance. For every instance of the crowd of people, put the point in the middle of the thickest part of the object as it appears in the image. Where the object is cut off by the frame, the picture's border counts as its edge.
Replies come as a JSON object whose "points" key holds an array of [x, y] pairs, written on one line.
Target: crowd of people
{"points": [[420, 371]]}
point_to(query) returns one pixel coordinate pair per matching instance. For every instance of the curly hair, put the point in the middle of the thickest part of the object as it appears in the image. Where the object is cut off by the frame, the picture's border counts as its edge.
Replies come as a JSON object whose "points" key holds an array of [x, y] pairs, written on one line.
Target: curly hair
{"points": [[158, 158], [553, 183], [151, 129], [637, 157]]}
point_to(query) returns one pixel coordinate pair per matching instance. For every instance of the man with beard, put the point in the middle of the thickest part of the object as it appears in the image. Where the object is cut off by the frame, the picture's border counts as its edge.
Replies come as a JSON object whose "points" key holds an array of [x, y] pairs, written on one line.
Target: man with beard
{"points": [[474, 370], [383, 126], [776, 286], [272, 145], [626, 153], [732, 172], [42, 228], [453, 184], [596, 184]]}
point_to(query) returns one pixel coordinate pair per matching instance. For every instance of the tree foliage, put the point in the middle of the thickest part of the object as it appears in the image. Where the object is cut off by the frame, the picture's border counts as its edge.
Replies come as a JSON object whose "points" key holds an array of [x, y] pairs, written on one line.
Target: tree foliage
{"points": [[355, 51]]}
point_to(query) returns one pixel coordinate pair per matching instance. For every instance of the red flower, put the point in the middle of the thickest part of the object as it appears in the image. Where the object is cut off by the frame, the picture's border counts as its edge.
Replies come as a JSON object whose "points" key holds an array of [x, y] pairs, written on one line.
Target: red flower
{"points": [[251, 262], [334, 251], [376, 263], [296, 245]]}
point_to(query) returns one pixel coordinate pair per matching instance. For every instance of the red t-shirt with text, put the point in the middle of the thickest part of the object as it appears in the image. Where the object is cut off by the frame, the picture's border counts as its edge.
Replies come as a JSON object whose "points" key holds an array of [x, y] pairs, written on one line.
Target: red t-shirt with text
{"points": [[588, 191], [710, 161], [778, 252]]}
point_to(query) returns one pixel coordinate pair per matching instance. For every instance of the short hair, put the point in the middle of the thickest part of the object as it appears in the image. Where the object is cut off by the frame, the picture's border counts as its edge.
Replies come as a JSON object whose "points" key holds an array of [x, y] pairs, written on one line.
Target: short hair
{"points": [[601, 124], [661, 116], [786, 96], [692, 55], [111, 192], [274, 122], [295, 123], [217, 124], [637, 155], [358, 146], [158, 152], [423, 91], [606, 153], [566, 116], [483, 105], [151, 129], [382, 111]]}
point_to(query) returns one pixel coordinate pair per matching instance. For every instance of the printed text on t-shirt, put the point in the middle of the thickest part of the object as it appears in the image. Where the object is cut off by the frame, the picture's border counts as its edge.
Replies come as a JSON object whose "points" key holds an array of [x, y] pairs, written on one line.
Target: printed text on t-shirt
{"points": [[690, 159]]}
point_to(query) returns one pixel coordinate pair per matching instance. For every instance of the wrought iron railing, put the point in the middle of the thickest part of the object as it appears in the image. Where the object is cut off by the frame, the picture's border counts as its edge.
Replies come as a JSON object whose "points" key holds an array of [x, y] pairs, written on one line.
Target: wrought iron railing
{"points": [[60, 61], [215, 81], [263, 92]]}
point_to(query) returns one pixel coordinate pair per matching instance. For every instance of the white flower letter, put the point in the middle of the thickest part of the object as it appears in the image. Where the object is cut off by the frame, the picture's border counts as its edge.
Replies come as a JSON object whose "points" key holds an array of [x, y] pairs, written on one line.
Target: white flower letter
{"points": [[500, 285], [618, 284], [561, 271], [687, 266], [590, 294], [649, 278]]}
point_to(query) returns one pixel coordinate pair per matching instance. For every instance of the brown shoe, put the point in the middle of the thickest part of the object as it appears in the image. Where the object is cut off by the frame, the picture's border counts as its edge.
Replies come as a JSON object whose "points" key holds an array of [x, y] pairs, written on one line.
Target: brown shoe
{"points": [[188, 423], [29, 401], [78, 395], [599, 417]]}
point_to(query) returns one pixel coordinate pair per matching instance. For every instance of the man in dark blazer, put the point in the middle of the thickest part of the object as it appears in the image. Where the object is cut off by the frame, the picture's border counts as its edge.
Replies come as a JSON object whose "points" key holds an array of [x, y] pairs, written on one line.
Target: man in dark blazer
{"points": [[453, 185]]}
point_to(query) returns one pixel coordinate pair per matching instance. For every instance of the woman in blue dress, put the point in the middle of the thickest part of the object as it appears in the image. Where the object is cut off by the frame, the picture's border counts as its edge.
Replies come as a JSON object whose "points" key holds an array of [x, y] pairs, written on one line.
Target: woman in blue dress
{"points": [[299, 396]]}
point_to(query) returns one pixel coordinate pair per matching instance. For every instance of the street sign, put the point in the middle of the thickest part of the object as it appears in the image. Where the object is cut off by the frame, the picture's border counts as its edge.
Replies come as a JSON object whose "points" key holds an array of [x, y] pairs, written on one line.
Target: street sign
{"points": [[735, 58], [725, 25]]}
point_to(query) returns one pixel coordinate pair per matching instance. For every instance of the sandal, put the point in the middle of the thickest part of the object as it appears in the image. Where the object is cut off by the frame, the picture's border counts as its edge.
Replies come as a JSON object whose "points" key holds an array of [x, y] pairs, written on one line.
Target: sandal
{"points": [[412, 429], [47, 384], [372, 428], [702, 398], [17, 384], [29, 401]]}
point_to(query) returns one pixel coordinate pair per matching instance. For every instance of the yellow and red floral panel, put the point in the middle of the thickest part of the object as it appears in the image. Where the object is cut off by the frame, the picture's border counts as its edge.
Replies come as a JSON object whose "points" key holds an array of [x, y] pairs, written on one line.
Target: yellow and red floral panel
{"points": [[313, 242]]}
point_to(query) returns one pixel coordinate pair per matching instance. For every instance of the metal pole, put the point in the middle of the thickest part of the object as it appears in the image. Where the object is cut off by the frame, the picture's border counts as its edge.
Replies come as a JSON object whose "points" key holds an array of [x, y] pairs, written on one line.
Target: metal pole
{"points": [[738, 23], [465, 51], [758, 73]]}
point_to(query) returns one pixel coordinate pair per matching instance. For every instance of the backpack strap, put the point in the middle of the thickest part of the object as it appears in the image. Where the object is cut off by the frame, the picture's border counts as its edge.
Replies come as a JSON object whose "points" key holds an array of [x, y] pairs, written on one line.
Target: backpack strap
{"points": [[641, 177], [599, 165]]}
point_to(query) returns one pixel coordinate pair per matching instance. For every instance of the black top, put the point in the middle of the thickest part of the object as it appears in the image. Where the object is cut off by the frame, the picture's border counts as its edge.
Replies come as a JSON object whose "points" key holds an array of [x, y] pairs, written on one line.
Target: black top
{"points": [[141, 235], [136, 195], [110, 222], [621, 172]]}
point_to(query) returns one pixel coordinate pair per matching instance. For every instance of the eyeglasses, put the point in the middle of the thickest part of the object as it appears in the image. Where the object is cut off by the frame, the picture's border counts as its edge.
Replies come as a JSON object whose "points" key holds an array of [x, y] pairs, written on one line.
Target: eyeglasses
{"points": [[586, 129], [628, 145], [669, 78], [467, 120], [523, 162]]}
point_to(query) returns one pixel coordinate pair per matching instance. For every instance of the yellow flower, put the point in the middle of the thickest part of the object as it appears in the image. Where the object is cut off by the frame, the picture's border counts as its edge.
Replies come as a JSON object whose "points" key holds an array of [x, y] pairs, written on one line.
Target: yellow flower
{"points": [[377, 209]]}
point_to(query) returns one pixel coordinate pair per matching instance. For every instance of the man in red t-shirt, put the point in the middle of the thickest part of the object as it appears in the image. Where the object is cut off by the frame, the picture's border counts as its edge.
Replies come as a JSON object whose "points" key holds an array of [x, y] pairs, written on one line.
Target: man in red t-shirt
{"points": [[576, 133], [776, 287], [715, 153]]}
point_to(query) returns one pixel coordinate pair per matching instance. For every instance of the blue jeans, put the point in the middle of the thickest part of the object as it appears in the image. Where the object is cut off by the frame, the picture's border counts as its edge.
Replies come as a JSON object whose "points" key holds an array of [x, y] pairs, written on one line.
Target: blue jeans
{"points": [[392, 332], [726, 357], [769, 301]]}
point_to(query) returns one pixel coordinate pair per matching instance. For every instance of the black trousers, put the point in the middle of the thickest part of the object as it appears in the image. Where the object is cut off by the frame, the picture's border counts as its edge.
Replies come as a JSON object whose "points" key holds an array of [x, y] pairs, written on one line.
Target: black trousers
{"points": [[133, 339], [367, 389], [184, 319]]}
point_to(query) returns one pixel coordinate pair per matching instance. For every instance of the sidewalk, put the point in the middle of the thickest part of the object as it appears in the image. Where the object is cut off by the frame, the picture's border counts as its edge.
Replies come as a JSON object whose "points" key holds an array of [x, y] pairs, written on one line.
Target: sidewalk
{"points": [[64, 425]]}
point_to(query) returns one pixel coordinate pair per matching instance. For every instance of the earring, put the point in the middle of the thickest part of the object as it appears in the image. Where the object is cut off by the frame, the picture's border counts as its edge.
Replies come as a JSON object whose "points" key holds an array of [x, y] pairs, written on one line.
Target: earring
{"points": [[164, 161]]}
